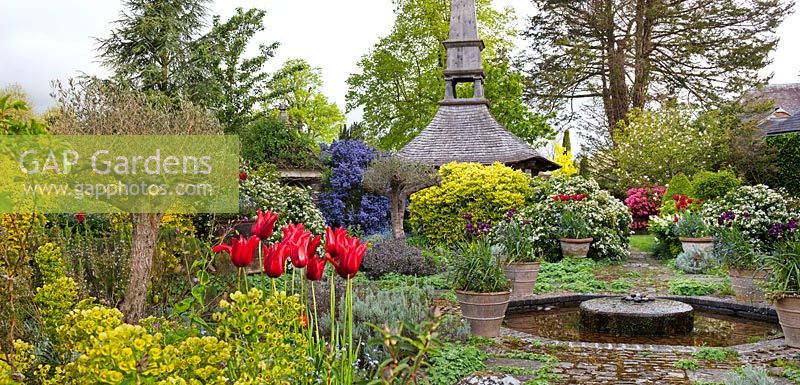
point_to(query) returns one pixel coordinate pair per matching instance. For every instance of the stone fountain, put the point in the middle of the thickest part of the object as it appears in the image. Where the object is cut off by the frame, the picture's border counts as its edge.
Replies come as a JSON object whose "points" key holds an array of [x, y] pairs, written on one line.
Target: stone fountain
{"points": [[636, 315]]}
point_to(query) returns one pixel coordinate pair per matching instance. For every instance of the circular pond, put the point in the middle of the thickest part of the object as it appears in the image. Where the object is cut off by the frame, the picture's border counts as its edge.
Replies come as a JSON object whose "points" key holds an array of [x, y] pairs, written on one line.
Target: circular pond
{"points": [[709, 329]]}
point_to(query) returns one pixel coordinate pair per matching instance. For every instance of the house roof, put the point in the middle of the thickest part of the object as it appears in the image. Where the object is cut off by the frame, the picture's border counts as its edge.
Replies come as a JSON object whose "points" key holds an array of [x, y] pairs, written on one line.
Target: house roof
{"points": [[774, 127], [464, 130], [785, 96]]}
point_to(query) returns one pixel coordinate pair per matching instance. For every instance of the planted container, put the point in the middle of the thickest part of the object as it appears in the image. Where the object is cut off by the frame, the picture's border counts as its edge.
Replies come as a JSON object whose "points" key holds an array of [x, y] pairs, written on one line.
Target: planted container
{"points": [[481, 286], [788, 309], [522, 276], [703, 245], [575, 247], [484, 311]]}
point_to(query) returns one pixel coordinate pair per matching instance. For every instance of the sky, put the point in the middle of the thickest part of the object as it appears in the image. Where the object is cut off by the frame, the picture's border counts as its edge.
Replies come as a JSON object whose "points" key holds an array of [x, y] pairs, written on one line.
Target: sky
{"points": [[44, 40]]}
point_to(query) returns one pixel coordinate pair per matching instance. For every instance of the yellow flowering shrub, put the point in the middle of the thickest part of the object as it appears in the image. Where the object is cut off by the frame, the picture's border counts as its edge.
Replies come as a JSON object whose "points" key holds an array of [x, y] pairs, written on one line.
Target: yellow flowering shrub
{"points": [[49, 261], [16, 228], [269, 343], [83, 324], [484, 192], [129, 354], [53, 301]]}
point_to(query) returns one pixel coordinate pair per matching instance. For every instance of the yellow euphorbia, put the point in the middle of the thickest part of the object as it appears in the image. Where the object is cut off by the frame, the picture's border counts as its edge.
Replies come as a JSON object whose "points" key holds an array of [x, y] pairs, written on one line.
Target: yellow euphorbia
{"points": [[564, 158]]}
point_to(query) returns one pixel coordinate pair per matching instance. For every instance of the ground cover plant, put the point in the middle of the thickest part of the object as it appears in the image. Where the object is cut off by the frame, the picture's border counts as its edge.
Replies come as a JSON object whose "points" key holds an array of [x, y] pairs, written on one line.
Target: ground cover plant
{"points": [[576, 275]]}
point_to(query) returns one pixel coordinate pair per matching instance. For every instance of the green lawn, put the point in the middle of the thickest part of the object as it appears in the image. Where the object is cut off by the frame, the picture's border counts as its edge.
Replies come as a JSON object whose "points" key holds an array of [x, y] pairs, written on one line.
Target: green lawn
{"points": [[644, 243]]}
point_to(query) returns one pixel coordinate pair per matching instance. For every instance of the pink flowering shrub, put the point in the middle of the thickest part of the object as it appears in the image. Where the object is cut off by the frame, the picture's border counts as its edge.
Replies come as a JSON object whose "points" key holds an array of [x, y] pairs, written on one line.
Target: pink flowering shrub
{"points": [[643, 203]]}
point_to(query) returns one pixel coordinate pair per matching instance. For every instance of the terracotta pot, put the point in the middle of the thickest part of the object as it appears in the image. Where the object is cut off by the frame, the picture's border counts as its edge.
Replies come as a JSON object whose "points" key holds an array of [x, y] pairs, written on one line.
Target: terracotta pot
{"points": [[697, 245], [484, 311], [576, 248], [789, 316], [745, 284], [523, 277]]}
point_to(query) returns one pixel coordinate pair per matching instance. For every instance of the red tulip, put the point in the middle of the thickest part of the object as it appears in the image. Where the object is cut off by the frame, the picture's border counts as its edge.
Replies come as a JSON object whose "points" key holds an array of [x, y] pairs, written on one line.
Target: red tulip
{"points": [[316, 266], [344, 252], [264, 225], [241, 250], [334, 240], [556, 198], [297, 238], [242, 175], [699, 202], [691, 200], [348, 263], [565, 197], [80, 217], [275, 259], [675, 197]]}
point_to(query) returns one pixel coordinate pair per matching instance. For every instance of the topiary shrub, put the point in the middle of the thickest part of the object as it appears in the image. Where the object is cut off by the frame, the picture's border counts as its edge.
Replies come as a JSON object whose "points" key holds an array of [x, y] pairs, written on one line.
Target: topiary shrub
{"points": [[484, 192], [395, 256], [607, 217], [711, 185], [787, 149], [678, 185]]}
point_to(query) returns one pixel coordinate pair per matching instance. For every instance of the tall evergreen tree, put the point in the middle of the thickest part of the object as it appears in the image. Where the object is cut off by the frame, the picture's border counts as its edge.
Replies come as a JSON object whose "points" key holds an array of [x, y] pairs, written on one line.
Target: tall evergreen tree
{"points": [[158, 48], [566, 142], [629, 53]]}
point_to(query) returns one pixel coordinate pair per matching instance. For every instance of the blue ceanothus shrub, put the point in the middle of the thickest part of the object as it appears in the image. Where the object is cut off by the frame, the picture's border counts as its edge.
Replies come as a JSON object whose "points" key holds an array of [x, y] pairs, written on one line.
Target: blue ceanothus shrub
{"points": [[344, 203]]}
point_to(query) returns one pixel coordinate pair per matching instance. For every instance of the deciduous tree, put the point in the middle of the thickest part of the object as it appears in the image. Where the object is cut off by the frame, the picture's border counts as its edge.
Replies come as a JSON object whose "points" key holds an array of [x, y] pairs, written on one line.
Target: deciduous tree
{"points": [[397, 179], [95, 107], [298, 84]]}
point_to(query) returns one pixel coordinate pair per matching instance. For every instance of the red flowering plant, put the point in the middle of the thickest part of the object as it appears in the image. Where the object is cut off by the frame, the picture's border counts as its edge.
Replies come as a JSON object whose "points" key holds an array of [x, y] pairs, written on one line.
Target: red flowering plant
{"points": [[644, 203], [684, 203], [572, 222], [298, 249]]}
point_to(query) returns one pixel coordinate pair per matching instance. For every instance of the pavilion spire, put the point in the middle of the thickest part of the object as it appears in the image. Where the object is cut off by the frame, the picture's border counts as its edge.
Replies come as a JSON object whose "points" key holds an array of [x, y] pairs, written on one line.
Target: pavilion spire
{"points": [[464, 130], [464, 64]]}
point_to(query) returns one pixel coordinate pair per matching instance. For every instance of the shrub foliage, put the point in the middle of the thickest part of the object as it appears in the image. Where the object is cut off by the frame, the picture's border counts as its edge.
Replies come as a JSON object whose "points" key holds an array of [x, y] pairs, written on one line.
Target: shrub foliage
{"points": [[485, 192]]}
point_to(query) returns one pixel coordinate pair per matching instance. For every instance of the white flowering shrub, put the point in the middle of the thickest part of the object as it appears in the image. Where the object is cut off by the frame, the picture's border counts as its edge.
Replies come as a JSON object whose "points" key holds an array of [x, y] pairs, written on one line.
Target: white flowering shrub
{"points": [[668, 245], [753, 210], [608, 219], [263, 190], [653, 146]]}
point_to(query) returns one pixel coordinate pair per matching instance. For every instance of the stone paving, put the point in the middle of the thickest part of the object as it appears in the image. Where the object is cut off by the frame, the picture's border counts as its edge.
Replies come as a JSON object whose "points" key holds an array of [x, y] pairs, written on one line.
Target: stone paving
{"points": [[620, 364], [608, 364]]}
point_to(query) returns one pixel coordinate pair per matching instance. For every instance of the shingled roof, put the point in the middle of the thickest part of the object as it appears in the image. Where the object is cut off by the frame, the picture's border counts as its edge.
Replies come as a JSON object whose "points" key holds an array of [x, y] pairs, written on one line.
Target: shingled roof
{"points": [[782, 126], [785, 119], [785, 96], [464, 130]]}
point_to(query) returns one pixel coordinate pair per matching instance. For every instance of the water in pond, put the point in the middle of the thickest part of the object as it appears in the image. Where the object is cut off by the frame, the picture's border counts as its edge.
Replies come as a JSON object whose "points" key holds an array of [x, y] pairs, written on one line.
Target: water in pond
{"points": [[709, 329]]}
